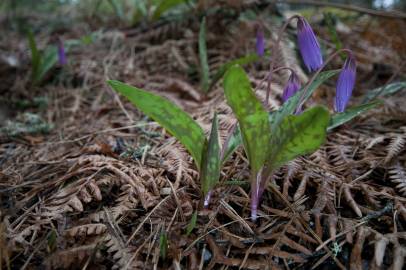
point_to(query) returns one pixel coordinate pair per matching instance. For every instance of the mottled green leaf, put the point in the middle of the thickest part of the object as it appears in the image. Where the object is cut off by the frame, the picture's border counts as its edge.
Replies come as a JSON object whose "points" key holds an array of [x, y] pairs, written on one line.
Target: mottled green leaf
{"points": [[211, 159], [340, 118], [204, 65], [192, 224], [252, 117], [167, 114], [298, 135], [291, 104], [387, 90]]}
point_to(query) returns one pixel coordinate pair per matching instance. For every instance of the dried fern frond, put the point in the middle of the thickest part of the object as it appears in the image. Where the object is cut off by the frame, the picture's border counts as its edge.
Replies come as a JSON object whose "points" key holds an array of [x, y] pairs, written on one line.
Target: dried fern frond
{"points": [[395, 147], [397, 174]]}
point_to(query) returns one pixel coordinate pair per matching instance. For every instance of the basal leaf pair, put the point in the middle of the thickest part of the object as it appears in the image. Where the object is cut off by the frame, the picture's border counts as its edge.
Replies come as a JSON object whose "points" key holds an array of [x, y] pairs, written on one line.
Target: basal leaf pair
{"points": [[205, 153], [270, 144], [269, 139]]}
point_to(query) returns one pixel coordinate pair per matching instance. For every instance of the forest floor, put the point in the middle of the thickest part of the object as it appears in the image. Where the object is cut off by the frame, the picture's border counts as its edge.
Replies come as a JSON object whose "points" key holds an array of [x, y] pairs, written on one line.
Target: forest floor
{"points": [[88, 182]]}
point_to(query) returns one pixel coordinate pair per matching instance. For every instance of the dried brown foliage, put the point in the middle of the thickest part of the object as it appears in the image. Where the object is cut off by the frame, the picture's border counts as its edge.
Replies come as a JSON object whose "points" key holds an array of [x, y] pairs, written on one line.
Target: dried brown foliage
{"points": [[102, 187]]}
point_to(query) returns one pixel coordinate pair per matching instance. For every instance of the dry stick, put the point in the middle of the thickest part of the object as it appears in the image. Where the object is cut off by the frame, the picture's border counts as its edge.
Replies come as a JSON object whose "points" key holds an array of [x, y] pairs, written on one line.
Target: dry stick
{"points": [[145, 219], [304, 224], [392, 14], [104, 131]]}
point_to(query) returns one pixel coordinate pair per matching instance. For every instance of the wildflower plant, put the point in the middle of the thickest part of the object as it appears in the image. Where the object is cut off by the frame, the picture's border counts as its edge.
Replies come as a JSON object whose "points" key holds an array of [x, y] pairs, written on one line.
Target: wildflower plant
{"points": [[41, 61], [270, 139]]}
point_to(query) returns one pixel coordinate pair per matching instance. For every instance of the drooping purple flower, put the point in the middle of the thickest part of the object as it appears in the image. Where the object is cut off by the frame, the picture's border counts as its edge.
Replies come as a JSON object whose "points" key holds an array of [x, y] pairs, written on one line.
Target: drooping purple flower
{"points": [[308, 45], [345, 84], [291, 88], [61, 53], [260, 41]]}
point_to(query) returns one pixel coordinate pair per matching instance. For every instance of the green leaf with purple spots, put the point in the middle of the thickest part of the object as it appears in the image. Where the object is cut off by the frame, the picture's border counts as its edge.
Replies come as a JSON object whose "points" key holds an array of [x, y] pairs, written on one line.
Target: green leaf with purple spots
{"points": [[168, 115], [298, 135], [252, 117]]}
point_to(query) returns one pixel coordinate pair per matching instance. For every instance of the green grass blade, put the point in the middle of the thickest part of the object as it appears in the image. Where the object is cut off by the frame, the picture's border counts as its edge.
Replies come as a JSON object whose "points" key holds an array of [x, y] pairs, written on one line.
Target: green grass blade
{"points": [[204, 65], [387, 90], [35, 56], [340, 118], [171, 117], [163, 244], [252, 117], [166, 5], [192, 224], [211, 160]]}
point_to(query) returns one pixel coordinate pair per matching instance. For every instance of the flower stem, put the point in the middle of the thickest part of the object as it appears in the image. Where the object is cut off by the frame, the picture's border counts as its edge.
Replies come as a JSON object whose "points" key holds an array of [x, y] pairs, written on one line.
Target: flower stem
{"points": [[275, 47]]}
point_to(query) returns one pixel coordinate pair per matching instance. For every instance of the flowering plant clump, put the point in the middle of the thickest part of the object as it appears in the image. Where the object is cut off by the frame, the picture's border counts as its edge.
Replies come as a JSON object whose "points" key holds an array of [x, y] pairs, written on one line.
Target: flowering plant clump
{"points": [[270, 139]]}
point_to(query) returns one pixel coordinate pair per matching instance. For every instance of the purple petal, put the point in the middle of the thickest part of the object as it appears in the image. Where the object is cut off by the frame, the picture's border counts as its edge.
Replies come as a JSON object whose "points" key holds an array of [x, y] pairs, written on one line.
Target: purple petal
{"points": [[61, 53], [308, 45], [291, 88], [345, 84], [260, 42]]}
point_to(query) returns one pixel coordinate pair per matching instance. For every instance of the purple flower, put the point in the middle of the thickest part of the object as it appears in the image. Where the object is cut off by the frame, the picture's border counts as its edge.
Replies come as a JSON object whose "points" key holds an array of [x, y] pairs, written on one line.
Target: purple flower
{"points": [[260, 42], [308, 45], [291, 88], [345, 84], [61, 53]]}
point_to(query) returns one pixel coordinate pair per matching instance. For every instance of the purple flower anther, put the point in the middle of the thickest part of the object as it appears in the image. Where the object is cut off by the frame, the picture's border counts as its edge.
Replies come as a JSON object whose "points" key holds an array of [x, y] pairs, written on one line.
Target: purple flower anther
{"points": [[292, 87], [260, 41], [308, 45], [345, 84]]}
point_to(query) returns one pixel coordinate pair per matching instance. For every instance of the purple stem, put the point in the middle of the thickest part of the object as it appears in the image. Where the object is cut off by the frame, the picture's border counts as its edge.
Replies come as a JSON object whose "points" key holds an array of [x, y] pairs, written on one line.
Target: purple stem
{"points": [[207, 199], [275, 48]]}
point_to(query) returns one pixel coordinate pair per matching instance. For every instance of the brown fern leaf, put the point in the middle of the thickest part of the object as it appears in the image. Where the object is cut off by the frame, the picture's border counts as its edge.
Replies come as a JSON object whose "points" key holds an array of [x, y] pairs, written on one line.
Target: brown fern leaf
{"points": [[397, 175], [177, 161], [70, 198], [87, 229], [290, 169], [395, 147], [120, 254], [73, 257]]}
